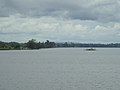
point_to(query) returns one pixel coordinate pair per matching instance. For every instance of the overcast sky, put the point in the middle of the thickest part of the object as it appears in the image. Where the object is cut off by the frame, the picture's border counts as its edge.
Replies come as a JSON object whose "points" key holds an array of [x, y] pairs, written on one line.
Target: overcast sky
{"points": [[60, 20]]}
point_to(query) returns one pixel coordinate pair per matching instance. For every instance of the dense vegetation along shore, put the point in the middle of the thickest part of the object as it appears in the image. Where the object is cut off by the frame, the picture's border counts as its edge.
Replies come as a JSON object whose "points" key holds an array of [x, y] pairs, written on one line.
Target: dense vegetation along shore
{"points": [[33, 44]]}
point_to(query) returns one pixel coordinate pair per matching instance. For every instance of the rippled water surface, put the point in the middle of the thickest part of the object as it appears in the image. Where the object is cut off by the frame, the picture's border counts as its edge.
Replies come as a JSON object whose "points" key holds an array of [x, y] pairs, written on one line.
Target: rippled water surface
{"points": [[60, 69]]}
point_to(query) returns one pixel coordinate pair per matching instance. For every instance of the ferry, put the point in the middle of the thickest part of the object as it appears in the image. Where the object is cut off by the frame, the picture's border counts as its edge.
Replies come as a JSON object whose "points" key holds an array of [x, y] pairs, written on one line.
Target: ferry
{"points": [[90, 49]]}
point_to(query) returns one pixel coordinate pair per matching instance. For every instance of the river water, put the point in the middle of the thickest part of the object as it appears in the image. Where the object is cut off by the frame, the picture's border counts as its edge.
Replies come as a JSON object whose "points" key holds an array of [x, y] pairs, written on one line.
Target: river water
{"points": [[60, 69]]}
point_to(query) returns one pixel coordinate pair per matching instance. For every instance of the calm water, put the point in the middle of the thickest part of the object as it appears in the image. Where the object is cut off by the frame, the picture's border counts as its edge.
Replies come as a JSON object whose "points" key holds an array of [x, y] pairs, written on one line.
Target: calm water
{"points": [[60, 69]]}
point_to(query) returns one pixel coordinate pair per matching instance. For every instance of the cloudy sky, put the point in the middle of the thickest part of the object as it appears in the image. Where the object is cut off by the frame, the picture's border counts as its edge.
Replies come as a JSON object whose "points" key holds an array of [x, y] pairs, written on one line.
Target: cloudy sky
{"points": [[60, 20]]}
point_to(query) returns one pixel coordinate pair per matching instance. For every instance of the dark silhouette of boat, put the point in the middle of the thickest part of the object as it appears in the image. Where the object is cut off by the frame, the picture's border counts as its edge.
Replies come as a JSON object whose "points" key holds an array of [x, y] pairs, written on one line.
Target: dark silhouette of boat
{"points": [[91, 49]]}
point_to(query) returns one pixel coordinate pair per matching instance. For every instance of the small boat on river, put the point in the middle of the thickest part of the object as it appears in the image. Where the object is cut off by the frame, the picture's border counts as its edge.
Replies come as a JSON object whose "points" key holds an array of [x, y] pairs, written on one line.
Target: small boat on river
{"points": [[90, 49]]}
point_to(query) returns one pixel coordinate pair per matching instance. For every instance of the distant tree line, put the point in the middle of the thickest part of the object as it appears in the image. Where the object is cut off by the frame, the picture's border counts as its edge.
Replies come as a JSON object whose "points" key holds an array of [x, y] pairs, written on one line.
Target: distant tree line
{"points": [[33, 44], [67, 44], [9, 45]]}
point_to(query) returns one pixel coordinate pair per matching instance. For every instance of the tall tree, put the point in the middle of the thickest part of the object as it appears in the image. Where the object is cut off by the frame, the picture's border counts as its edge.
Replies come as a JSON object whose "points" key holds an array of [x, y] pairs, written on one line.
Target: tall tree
{"points": [[32, 44]]}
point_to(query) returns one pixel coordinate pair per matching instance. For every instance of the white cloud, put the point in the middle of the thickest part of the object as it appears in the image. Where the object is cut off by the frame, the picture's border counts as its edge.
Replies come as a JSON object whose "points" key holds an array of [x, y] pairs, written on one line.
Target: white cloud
{"points": [[17, 28]]}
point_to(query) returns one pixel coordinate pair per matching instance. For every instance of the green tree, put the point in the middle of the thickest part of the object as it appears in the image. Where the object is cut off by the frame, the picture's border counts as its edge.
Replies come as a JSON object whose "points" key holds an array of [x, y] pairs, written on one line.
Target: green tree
{"points": [[31, 44], [49, 44], [14, 45]]}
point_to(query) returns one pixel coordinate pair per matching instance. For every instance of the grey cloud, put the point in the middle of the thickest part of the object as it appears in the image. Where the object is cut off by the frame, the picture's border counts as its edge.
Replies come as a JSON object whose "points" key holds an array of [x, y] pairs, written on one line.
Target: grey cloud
{"points": [[80, 20], [101, 10]]}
